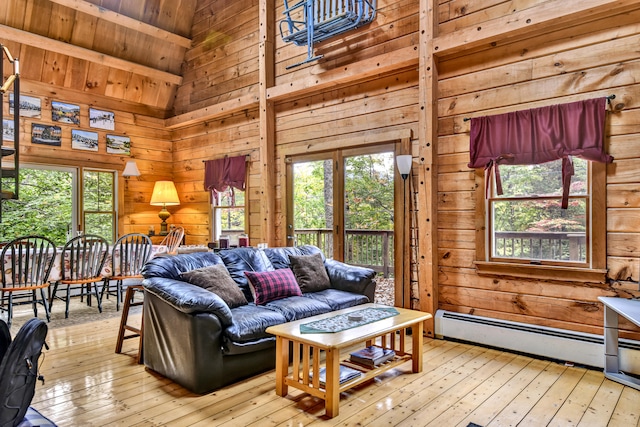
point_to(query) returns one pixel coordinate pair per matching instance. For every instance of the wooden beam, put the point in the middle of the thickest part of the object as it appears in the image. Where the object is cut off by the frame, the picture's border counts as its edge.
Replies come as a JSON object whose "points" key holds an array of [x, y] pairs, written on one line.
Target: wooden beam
{"points": [[267, 143], [427, 187], [212, 112], [125, 21], [382, 64], [47, 44], [540, 18]]}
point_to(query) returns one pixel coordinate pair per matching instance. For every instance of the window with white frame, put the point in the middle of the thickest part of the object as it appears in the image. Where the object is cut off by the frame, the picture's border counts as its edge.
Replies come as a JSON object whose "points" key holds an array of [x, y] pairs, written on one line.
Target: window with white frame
{"points": [[228, 215]]}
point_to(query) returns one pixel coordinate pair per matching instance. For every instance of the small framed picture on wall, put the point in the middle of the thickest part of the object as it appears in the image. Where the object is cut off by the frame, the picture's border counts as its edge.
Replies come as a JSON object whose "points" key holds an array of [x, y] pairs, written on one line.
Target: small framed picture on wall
{"points": [[84, 140], [46, 134], [101, 119], [65, 113], [117, 144], [29, 106], [8, 131]]}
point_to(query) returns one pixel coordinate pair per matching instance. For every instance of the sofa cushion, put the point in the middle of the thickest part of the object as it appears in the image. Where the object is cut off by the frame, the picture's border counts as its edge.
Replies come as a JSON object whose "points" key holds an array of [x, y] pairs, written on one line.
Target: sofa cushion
{"points": [[239, 260], [337, 299], [279, 257], [170, 267], [249, 322], [295, 308], [216, 278], [272, 285], [310, 272], [349, 278]]}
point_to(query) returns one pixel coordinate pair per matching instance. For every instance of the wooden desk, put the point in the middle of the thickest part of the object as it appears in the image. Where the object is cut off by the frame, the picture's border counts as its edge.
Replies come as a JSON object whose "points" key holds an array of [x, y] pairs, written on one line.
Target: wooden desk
{"points": [[387, 333], [614, 307]]}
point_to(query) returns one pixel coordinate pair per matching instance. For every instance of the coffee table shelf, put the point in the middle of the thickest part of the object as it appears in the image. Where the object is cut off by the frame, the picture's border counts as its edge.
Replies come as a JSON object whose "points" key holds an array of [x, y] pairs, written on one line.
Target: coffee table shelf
{"points": [[304, 374]]}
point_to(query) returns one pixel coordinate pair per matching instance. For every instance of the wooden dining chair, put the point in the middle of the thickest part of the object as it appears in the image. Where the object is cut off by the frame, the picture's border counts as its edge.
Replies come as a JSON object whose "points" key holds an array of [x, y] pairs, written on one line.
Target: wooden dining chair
{"points": [[128, 255], [83, 258], [25, 264], [173, 240]]}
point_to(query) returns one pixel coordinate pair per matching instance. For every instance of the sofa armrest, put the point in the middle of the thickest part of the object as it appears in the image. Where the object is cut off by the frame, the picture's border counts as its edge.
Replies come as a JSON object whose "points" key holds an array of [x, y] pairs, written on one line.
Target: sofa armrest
{"points": [[188, 298], [351, 278]]}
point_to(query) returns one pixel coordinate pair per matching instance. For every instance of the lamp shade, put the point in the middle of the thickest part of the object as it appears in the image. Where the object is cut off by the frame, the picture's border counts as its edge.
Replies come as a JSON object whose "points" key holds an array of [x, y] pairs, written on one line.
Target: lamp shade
{"points": [[131, 169], [164, 194], [404, 165]]}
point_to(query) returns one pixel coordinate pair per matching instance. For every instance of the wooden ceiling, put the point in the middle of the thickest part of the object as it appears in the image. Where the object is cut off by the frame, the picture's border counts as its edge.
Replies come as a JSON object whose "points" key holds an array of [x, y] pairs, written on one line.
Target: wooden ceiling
{"points": [[112, 53]]}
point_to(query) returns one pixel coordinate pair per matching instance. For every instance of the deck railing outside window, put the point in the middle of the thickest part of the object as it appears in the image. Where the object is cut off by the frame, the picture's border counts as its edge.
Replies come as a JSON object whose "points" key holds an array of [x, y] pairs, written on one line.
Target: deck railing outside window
{"points": [[554, 246]]}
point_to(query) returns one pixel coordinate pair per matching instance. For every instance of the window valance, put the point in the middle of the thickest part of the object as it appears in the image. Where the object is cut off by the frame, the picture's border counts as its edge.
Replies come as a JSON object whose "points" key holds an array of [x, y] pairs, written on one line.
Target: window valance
{"points": [[540, 135], [220, 174]]}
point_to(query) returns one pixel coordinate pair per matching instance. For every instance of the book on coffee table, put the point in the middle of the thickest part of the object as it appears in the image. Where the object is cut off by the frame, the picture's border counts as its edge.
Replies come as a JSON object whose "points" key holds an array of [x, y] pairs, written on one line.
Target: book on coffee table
{"points": [[372, 355], [346, 374]]}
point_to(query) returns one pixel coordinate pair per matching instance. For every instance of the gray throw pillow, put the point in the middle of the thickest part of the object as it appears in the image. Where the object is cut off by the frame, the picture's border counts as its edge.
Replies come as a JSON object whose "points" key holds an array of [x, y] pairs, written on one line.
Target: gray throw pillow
{"points": [[216, 278], [310, 272]]}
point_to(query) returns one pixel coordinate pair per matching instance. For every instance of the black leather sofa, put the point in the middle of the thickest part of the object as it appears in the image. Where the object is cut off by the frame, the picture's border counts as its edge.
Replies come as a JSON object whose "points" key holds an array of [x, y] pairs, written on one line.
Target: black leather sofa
{"points": [[192, 336]]}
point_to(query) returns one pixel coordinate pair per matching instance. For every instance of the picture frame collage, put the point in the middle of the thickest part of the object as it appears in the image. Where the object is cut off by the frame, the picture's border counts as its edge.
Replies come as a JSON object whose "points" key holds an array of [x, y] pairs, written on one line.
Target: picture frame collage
{"points": [[67, 114]]}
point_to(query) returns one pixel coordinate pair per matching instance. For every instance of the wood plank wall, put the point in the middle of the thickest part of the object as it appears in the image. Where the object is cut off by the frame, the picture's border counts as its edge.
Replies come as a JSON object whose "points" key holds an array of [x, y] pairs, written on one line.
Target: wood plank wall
{"points": [[585, 60]]}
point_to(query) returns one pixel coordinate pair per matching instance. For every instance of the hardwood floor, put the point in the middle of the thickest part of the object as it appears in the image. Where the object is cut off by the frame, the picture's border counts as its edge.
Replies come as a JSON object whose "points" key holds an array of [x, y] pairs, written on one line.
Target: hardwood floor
{"points": [[87, 384]]}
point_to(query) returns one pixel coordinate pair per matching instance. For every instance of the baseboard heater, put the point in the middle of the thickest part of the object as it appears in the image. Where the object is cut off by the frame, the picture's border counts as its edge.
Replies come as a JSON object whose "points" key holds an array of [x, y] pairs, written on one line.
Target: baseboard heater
{"points": [[552, 343]]}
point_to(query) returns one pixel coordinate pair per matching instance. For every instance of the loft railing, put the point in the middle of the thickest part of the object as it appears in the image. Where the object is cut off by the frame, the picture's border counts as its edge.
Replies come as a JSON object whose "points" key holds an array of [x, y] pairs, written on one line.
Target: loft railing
{"points": [[555, 246]]}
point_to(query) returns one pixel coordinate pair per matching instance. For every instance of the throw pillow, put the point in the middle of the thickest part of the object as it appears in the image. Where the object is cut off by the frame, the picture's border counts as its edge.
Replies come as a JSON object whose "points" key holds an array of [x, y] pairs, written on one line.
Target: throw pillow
{"points": [[310, 272], [216, 278], [272, 285]]}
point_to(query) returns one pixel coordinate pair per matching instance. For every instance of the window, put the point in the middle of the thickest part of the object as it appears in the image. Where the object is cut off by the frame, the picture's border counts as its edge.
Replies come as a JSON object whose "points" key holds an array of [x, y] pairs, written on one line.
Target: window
{"points": [[55, 203], [527, 223], [98, 196], [228, 214], [527, 234]]}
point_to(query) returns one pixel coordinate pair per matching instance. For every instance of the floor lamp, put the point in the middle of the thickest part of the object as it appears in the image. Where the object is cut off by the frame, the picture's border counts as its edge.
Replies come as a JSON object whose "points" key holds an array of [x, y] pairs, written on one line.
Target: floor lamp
{"points": [[404, 167]]}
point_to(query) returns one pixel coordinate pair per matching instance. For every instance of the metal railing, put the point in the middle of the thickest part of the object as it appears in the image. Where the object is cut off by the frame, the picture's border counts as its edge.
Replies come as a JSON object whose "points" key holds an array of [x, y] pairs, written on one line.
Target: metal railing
{"points": [[366, 248], [555, 246]]}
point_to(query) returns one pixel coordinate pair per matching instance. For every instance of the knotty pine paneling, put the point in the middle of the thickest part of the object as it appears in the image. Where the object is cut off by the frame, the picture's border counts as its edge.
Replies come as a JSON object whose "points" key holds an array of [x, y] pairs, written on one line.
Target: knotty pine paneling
{"points": [[551, 68]]}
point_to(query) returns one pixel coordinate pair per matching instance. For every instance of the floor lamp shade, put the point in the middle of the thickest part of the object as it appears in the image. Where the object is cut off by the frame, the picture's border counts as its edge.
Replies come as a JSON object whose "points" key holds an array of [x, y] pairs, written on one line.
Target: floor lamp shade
{"points": [[404, 165], [164, 194]]}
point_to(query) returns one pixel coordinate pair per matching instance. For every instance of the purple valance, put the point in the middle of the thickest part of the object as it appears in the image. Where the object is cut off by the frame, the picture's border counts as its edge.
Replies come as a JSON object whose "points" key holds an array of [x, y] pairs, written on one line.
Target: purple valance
{"points": [[540, 135], [220, 174]]}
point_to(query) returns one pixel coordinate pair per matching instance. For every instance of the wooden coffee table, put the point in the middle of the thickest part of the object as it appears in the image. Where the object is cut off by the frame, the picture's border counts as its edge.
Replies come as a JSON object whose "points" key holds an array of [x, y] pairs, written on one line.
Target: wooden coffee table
{"points": [[386, 333]]}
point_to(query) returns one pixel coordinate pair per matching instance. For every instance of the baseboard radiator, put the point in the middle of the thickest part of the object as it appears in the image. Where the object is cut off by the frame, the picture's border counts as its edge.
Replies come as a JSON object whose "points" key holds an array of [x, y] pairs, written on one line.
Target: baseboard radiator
{"points": [[559, 344]]}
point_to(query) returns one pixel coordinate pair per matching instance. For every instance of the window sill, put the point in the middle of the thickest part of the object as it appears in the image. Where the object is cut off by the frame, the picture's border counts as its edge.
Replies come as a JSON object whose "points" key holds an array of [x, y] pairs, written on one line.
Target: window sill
{"points": [[541, 272]]}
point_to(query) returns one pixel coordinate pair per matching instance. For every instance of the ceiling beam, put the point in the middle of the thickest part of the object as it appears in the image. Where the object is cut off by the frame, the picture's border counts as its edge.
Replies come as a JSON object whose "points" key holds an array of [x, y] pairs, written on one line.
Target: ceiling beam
{"points": [[45, 43], [216, 111], [125, 21]]}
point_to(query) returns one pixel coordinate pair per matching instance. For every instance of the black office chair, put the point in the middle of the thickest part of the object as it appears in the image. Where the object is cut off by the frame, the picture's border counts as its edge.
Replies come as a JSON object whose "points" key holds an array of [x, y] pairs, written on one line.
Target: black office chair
{"points": [[82, 260], [30, 259]]}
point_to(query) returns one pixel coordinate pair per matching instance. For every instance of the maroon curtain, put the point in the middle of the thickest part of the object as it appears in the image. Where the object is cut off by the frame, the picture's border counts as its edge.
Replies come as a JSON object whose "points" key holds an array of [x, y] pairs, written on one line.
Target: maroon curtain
{"points": [[540, 135], [220, 174]]}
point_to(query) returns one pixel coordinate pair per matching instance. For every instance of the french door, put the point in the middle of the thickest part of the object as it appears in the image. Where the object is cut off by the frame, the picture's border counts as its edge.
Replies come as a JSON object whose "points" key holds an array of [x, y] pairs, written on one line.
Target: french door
{"points": [[344, 202]]}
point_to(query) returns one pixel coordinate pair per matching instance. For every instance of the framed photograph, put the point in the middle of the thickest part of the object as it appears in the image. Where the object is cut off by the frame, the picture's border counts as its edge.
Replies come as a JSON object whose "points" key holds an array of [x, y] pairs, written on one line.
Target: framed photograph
{"points": [[65, 113], [118, 144], [29, 106], [101, 119], [8, 132], [46, 134], [84, 140]]}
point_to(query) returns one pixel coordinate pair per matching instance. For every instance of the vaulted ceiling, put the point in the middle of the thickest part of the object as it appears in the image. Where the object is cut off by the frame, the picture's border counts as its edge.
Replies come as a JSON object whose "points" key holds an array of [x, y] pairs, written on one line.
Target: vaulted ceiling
{"points": [[104, 52]]}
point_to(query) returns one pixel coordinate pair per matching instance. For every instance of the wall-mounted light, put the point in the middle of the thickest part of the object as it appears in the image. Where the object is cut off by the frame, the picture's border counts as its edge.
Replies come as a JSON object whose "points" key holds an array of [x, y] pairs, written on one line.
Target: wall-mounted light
{"points": [[131, 169]]}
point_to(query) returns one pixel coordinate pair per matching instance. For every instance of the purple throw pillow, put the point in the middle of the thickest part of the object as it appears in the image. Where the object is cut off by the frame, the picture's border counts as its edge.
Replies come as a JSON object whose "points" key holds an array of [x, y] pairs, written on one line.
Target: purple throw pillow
{"points": [[272, 285]]}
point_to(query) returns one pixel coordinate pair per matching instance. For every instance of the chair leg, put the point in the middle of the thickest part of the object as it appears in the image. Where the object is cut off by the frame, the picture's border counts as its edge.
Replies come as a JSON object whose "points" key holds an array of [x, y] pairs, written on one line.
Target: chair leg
{"points": [[137, 332], [98, 299], [34, 303], [66, 310], [10, 312], [47, 313]]}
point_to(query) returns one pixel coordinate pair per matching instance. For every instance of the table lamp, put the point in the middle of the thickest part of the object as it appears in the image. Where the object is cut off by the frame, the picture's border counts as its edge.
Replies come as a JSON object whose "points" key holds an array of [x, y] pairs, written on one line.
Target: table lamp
{"points": [[164, 194]]}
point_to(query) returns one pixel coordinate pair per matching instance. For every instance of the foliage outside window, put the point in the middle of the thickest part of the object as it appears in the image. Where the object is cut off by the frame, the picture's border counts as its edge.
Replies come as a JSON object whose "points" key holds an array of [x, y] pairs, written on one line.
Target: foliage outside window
{"points": [[229, 214], [98, 194], [527, 221], [45, 207]]}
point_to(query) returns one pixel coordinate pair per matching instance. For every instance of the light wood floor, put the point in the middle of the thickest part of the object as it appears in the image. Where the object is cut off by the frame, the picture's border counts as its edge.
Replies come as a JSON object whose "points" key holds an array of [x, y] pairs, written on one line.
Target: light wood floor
{"points": [[87, 384]]}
